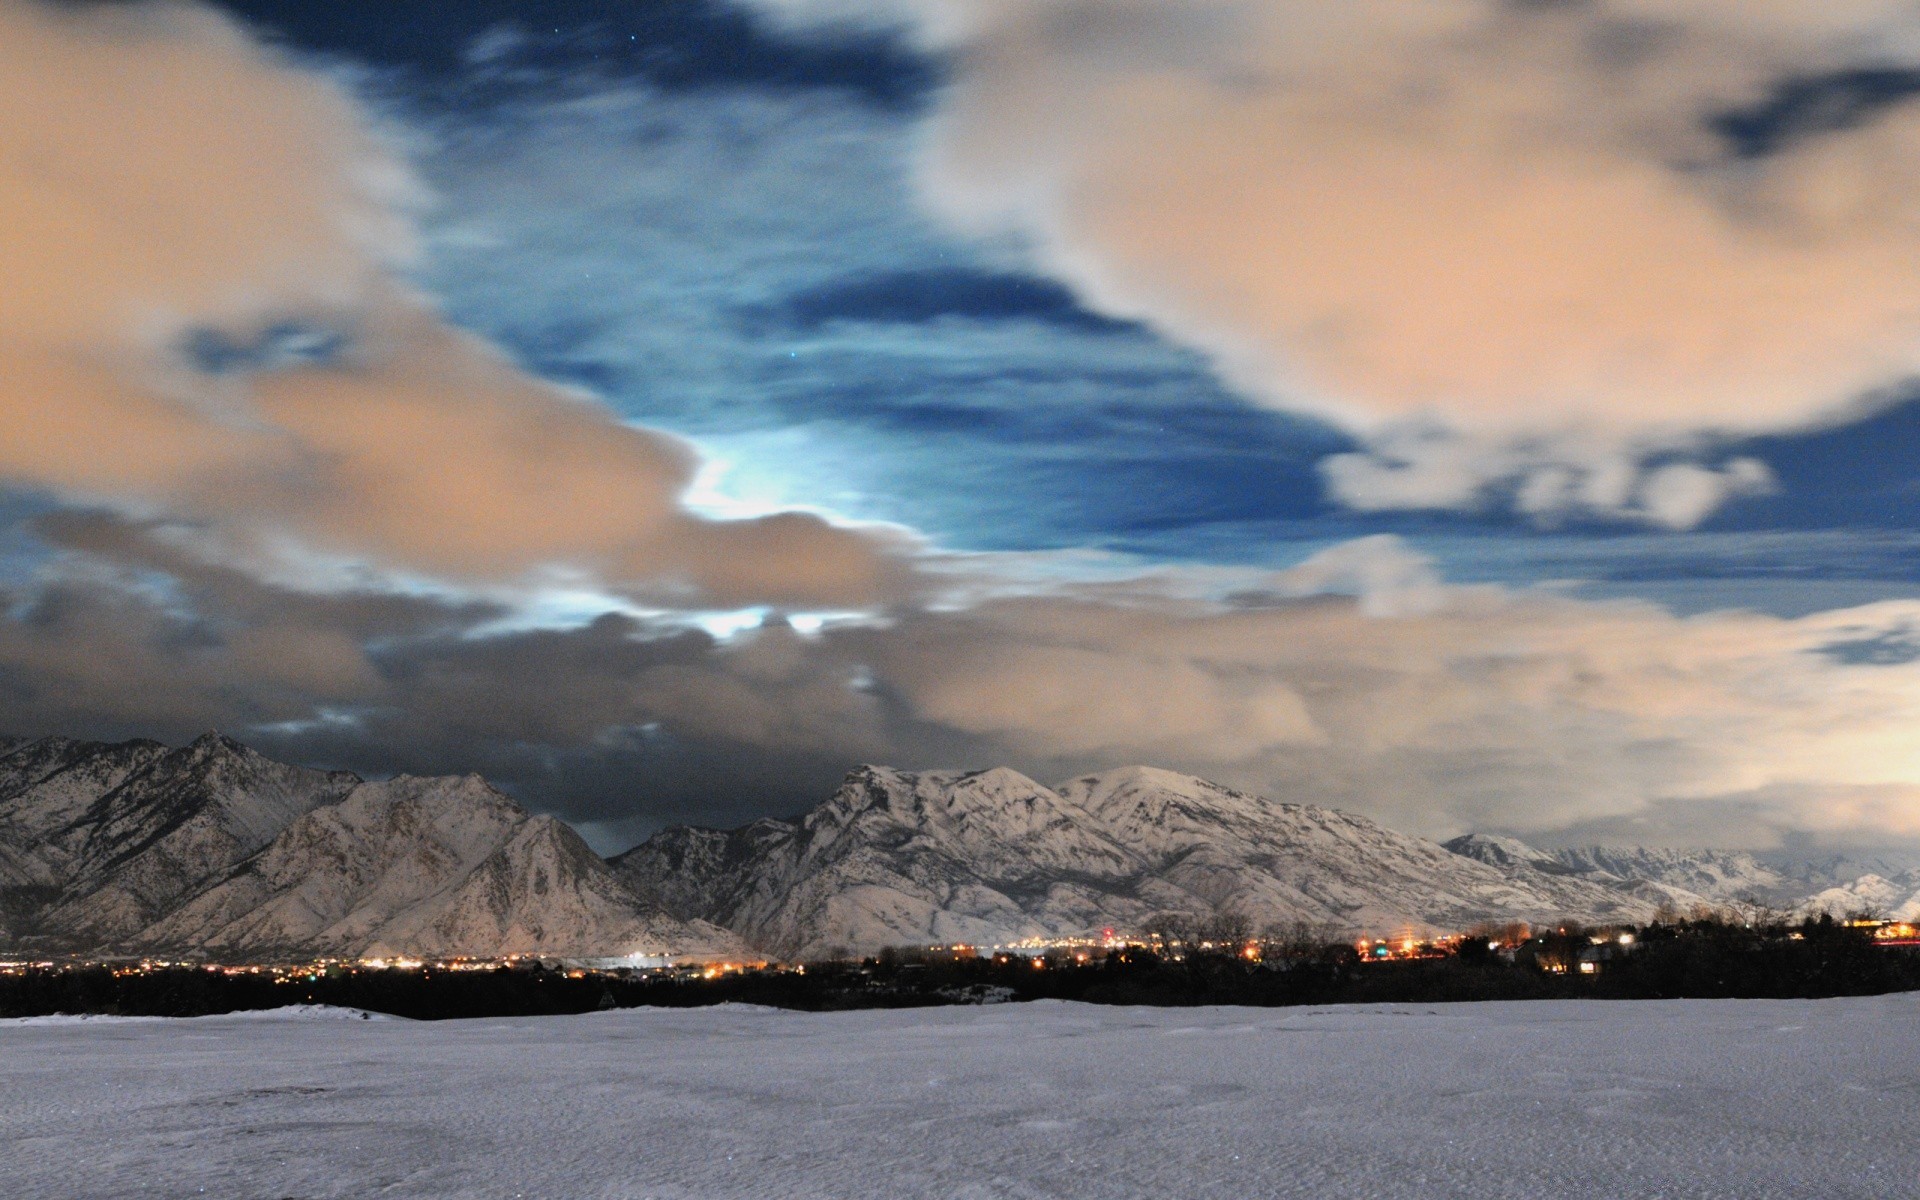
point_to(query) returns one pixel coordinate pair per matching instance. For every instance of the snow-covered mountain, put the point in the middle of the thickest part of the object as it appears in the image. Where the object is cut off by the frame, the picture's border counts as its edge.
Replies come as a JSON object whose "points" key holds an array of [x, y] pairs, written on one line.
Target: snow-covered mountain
{"points": [[214, 848], [429, 867], [1887, 885], [1505, 852], [1897, 897], [1807, 876], [1686, 877], [1718, 875], [989, 857], [110, 837]]}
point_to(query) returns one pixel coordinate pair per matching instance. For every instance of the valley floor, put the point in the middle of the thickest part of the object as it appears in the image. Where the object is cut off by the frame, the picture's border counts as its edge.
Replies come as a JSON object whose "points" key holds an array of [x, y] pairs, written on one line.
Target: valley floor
{"points": [[1671, 1099]]}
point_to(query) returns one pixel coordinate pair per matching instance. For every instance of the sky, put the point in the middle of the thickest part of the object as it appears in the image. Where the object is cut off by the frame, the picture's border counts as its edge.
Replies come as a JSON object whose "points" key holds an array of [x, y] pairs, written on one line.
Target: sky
{"points": [[1483, 415]]}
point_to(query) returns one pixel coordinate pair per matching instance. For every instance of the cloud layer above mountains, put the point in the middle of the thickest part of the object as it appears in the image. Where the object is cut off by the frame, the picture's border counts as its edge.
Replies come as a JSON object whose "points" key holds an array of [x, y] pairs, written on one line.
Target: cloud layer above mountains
{"points": [[1358, 680], [281, 495], [1544, 250]]}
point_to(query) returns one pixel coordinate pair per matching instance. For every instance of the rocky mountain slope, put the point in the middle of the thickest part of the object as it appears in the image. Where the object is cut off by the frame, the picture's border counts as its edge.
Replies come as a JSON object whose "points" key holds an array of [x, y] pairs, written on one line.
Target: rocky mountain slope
{"points": [[1896, 897], [1688, 876], [1836, 885], [107, 838], [213, 848], [429, 867], [991, 857]]}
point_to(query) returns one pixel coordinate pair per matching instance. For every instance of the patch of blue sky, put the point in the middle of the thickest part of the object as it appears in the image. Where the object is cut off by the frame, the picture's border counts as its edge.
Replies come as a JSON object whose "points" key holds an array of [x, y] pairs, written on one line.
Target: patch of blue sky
{"points": [[1863, 473], [749, 270], [278, 346], [468, 51], [22, 553]]}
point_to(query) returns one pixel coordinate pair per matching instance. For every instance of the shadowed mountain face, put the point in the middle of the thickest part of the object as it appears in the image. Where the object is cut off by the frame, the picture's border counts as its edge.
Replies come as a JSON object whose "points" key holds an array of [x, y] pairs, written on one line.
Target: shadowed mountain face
{"points": [[993, 857], [114, 836], [213, 848]]}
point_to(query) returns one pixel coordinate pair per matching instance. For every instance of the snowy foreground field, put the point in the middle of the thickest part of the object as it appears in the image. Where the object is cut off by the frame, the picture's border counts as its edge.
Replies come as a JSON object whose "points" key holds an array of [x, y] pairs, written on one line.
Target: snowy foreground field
{"points": [[1693, 1099]]}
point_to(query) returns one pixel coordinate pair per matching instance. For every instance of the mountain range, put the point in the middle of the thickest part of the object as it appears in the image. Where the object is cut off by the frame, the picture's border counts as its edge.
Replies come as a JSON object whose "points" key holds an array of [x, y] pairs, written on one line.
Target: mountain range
{"points": [[987, 857], [212, 849]]}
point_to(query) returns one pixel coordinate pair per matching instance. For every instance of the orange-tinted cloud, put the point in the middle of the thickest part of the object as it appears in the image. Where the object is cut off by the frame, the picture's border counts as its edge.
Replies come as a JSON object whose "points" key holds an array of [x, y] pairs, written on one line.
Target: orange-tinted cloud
{"points": [[165, 183], [1434, 707], [1511, 224]]}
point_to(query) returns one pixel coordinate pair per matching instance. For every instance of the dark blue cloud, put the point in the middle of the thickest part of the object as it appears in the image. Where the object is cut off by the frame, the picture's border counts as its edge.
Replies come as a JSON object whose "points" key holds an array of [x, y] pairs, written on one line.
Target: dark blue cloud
{"points": [[1810, 105], [927, 294], [1044, 475], [673, 44], [21, 551], [1889, 649], [276, 346]]}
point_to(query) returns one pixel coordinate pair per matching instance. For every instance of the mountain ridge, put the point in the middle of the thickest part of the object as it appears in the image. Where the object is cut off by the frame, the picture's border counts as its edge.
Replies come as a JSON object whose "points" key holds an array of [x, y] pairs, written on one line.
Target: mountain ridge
{"points": [[213, 849], [994, 857]]}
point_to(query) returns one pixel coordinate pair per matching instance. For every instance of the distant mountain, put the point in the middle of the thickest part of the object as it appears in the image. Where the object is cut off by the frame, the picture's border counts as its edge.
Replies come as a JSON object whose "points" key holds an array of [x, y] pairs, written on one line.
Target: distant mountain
{"points": [[1718, 875], [213, 848], [1685, 877], [1897, 898], [1805, 876], [1839, 885], [898, 857]]}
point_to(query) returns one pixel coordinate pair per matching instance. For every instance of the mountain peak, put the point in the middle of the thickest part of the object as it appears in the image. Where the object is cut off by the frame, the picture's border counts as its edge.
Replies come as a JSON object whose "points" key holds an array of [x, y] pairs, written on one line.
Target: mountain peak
{"points": [[1140, 775], [215, 750], [996, 779], [1497, 850], [1097, 787], [442, 797]]}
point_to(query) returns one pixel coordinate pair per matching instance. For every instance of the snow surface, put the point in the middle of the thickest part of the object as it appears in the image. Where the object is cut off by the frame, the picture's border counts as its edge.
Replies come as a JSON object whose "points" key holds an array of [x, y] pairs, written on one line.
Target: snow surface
{"points": [[286, 1012], [1755, 1100]]}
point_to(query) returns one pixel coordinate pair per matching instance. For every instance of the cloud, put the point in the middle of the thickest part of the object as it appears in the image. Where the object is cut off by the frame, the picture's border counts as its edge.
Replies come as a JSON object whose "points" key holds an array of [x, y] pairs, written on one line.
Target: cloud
{"points": [[1359, 679], [1435, 707], [206, 318], [1554, 233], [1547, 479]]}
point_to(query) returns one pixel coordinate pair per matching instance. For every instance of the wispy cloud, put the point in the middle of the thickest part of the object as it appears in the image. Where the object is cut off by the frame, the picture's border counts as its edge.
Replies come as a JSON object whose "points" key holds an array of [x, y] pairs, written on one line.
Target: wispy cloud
{"points": [[1539, 251], [205, 317]]}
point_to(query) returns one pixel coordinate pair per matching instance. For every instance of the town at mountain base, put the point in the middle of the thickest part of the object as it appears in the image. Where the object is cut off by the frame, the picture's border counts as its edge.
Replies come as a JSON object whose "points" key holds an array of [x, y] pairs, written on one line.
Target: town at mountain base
{"points": [[213, 850]]}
